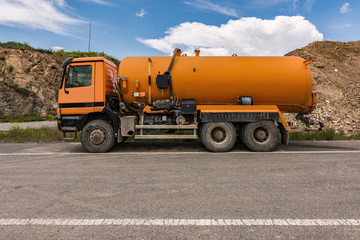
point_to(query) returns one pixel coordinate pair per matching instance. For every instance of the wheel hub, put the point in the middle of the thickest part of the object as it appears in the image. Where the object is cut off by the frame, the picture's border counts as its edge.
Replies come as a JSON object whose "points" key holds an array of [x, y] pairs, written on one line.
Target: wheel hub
{"points": [[261, 134], [97, 136], [218, 134]]}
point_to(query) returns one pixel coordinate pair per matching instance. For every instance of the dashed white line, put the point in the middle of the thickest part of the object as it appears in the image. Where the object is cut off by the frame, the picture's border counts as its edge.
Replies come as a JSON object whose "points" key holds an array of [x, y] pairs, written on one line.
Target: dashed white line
{"points": [[180, 222]]}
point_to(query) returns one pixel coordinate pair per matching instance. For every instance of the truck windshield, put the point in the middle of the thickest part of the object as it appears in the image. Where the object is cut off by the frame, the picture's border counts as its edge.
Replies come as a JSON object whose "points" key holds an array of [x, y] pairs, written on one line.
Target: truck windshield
{"points": [[78, 76]]}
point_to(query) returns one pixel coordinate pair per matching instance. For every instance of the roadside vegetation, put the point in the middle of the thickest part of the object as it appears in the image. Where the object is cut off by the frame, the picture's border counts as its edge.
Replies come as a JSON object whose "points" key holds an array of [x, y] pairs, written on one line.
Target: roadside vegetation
{"points": [[25, 46], [326, 134], [17, 135], [27, 118]]}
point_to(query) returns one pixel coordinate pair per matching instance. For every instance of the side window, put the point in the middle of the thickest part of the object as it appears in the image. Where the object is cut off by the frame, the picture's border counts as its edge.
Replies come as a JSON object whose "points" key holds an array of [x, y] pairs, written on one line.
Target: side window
{"points": [[78, 76]]}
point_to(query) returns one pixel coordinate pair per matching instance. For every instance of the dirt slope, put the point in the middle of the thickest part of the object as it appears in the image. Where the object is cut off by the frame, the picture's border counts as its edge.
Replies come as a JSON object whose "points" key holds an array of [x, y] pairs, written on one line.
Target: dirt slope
{"points": [[29, 81], [336, 73]]}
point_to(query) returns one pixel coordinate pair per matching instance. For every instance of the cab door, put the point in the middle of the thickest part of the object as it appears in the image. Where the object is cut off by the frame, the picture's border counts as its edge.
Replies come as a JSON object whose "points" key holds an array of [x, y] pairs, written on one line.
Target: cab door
{"points": [[77, 93]]}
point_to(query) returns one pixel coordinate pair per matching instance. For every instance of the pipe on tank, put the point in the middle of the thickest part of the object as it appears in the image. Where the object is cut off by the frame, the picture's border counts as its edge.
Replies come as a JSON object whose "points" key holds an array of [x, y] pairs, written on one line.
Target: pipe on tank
{"points": [[197, 52], [176, 50], [168, 71], [149, 60]]}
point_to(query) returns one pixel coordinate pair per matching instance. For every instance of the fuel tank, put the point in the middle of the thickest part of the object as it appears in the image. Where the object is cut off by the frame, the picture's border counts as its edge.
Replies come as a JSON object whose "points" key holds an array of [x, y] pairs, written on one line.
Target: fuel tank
{"points": [[282, 81]]}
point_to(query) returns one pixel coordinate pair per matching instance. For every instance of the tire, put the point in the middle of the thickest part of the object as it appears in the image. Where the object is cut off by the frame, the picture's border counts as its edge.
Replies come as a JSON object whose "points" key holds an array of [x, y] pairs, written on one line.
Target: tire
{"points": [[261, 136], [240, 134], [98, 136], [218, 136]]}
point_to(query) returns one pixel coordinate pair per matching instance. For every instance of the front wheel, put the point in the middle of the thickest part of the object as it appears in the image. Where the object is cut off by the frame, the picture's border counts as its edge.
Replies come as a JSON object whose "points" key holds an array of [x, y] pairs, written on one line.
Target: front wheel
{"points": [[218, 136], [260, 136], [98, 136]]}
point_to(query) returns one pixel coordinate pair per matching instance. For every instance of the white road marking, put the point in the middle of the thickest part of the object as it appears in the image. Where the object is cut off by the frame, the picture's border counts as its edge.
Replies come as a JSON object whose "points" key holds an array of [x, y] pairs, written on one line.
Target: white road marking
{"points": [[180, 222], [172, 153]]}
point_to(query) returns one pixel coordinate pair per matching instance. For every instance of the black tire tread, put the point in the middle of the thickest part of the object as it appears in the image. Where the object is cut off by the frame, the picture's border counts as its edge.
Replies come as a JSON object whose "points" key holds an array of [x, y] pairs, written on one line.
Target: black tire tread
{"points": [[247, 134], [109, 142], [208, 143]]}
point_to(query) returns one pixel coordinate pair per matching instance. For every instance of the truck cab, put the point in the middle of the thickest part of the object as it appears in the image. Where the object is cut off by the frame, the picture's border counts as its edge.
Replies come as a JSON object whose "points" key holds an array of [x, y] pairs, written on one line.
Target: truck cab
{"points": [[87, 92]]}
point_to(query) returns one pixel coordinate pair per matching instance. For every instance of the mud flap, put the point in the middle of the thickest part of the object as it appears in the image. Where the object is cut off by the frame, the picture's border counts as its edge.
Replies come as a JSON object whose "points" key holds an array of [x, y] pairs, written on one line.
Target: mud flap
{"points": [[284, 137]]}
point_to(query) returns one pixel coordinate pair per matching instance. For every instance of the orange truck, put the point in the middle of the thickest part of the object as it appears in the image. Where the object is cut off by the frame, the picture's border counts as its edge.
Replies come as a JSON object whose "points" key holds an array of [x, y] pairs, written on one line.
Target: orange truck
{"points": [[220, 100]]}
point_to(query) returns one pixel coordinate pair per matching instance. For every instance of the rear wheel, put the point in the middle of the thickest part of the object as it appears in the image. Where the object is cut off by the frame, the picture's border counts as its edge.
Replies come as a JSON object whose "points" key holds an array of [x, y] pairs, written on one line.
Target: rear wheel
{"points": [[261, 136], [98, 136], [218, 136]]}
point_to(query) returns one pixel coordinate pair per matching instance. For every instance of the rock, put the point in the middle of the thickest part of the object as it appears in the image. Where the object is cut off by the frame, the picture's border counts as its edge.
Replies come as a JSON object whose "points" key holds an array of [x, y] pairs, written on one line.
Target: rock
{"points": [[27, 84], [340, 89]]}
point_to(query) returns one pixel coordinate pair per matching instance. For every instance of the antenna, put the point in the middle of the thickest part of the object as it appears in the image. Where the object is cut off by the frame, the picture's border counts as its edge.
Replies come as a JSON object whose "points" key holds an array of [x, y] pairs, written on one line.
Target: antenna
{"points": [[89, 37]]}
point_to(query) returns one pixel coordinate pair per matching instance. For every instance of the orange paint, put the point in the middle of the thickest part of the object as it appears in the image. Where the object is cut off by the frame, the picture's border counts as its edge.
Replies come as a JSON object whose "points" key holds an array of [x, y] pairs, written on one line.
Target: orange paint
{"points": [[103, 79], [282, 81]]}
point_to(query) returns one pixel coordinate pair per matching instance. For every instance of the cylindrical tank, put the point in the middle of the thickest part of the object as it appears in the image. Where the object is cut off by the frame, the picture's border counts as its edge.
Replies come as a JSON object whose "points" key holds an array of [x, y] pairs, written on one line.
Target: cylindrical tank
{"points": [[282, 81]]}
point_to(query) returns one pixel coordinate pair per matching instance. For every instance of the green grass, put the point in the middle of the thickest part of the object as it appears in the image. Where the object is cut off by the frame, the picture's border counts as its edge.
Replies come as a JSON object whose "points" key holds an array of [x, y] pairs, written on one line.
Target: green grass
{"points": [[25, 46], [88, 54], [325, 134], [17, 135], [27, 118]]}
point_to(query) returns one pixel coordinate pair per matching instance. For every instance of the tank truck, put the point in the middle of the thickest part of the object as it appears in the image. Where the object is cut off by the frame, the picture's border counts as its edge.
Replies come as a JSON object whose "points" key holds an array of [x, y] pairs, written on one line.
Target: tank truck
{"points": [[221, 100]]}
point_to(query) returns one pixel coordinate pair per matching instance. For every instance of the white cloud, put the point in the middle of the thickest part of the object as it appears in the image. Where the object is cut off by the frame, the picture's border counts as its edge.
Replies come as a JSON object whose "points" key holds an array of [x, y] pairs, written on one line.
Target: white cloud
{"points": [[102, 2], [345, 8], [37, 14], [140, 13], [57, 48], [207, 5], [265, 3], [61, 3], [245, 36]]}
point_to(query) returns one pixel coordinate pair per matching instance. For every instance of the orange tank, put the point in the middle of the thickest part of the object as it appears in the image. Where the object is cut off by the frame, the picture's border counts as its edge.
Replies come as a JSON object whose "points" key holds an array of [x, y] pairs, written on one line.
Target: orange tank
{"points": [[282, 81]]}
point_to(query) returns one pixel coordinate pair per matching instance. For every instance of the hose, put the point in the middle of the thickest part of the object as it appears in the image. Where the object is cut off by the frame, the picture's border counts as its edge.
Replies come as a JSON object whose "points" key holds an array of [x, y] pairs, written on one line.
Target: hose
{"points": [[168, 72], [120, 92], [172, 60]]}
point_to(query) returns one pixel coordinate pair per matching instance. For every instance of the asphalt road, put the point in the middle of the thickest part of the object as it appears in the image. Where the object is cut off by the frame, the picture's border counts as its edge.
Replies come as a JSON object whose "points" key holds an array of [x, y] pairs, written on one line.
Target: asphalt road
{"points": [[67, 189]]}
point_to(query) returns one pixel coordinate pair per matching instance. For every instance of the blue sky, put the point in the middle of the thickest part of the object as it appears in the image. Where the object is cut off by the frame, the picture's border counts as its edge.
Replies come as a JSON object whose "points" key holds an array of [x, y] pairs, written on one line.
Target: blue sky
{"points": [[142, 27]]}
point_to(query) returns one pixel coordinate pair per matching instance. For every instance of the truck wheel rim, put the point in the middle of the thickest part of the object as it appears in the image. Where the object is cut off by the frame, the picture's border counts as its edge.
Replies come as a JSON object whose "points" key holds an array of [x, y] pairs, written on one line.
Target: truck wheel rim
{"points": [[261, 135], [218, 135], [97, 136]]}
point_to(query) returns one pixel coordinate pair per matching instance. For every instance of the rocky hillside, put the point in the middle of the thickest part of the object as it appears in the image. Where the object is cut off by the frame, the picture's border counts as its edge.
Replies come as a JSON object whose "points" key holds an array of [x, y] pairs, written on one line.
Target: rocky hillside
{"points": [[336, 75], [29, 81]]}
